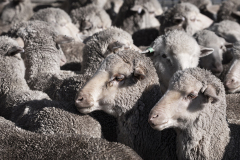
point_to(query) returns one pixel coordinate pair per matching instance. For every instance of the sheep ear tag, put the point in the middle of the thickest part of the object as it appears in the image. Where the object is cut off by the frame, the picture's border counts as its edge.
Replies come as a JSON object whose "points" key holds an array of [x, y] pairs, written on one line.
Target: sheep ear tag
{"points": [[205, 51], [210, 93], [61, 39], [148, 52], [15, 50]]}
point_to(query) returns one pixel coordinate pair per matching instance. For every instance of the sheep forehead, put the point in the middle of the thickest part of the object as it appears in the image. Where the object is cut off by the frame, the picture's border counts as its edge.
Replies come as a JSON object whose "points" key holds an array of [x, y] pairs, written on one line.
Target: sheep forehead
{"points": [[185, 82], [115, 64], [207, 38], [180, 42]]}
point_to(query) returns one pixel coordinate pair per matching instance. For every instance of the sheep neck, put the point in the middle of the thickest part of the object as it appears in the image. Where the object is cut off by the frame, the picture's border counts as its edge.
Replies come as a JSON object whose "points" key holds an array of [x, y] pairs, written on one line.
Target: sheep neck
{"points": [[201, 139], [134, 130]]}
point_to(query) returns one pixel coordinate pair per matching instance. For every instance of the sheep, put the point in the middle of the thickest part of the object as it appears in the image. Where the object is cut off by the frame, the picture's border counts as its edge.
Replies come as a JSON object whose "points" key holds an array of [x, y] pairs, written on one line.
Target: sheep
{"points": [[126, 86], [34, 110], [229, 11], [229, 30], [231, 79], [16, 143], [90, 19], [212, 62], [195, 106], [15, 12], [138, 14], [205, 7], [176, 50], [184, 16], [73, 50]]}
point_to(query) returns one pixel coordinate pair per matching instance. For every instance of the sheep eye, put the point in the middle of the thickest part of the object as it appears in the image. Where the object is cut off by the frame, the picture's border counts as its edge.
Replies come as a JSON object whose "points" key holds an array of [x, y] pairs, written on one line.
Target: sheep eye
{"points": [[191, 96], [151, 12], [57, 46], [120, 78], [164, 56]]}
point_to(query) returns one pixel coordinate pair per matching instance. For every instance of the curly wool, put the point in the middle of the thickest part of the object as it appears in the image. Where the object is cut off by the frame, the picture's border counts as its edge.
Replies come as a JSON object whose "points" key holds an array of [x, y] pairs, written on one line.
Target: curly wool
{"points": [[16, 143], [207, 139], [133, 103]]}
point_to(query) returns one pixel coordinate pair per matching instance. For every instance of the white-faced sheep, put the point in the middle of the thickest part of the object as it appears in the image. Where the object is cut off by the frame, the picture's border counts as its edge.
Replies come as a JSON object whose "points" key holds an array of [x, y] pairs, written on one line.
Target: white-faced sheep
{"points": [[174, 51], [212, 62], [232, 76], [184, 16], [14, 12], [138, 14], [126, 86], [229, 30], [90, 19], [16, 143], [34, 110], [195, 106]]}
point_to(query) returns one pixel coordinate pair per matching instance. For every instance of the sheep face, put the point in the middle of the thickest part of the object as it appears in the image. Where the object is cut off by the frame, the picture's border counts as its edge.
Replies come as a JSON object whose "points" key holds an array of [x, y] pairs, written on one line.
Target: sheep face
{"points": [[232, 79], [212, 62], [185, 16], [115, 86], [182, 103], [176, 51]]}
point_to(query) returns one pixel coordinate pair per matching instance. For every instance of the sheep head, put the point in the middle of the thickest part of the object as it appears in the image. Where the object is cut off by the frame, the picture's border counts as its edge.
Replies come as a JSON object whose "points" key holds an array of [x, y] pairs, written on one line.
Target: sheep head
{"points": [[118, 84], [188, 96]]}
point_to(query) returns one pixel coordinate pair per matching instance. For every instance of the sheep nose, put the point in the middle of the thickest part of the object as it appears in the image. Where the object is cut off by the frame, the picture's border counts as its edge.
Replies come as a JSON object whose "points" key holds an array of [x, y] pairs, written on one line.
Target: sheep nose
{"points": [[217, 68], [152, 118], [83, 100], [230, 83]]}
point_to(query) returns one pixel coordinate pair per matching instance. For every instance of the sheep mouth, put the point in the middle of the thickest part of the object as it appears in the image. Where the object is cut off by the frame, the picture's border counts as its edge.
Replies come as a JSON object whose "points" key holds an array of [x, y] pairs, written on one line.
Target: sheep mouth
{"points": [[232, 90], [161, 126], [84, 110]]}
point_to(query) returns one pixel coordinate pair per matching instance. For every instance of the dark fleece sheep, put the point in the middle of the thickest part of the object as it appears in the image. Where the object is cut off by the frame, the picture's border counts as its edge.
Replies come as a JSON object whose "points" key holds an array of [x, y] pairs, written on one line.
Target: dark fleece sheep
{"points": [[195, 105], [138, 14], [90, 19], [229, 10], [14, 12], [34, 110], [126, 86], [16, 143]]}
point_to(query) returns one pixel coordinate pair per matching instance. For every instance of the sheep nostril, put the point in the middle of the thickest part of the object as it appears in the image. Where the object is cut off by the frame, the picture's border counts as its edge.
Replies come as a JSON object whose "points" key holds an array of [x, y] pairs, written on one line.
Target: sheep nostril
{"points": [[155, 116], [80, 99]]}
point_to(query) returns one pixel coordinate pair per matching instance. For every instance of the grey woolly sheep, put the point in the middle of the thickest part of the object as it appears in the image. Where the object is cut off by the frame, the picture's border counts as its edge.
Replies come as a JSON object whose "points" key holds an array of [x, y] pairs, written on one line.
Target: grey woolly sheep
{"points": [[90, 19], [73, 50], [229, 10], [15, 12], [138, 14], [184, 16], [34, 110], [229, 30], [174, 51], [212, 62], [126, 86], [231, 79], [16, 143], [233, 112], [195, 106]]}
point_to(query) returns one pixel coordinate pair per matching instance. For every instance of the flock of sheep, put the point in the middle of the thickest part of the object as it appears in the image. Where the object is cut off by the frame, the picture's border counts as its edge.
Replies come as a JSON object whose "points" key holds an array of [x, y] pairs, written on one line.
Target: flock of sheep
{"points": [[119, 79]]}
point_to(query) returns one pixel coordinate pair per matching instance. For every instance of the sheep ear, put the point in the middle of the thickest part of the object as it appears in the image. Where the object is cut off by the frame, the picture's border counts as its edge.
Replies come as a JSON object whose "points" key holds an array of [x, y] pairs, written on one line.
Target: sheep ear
{"points": [[15, 50], [210, 93], [205, 51], [86, 25], [228, 45], [137, 8], [114, 46], [139, 72], [61, 39]]}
